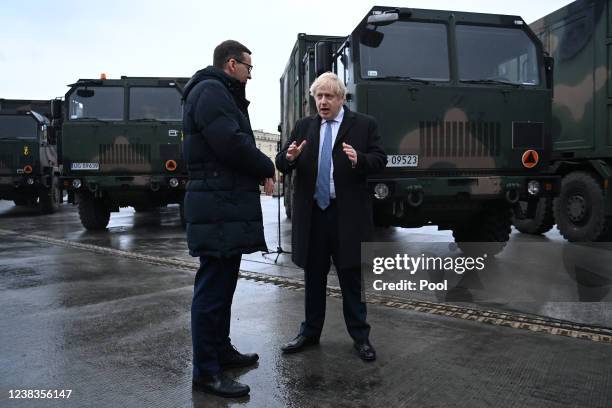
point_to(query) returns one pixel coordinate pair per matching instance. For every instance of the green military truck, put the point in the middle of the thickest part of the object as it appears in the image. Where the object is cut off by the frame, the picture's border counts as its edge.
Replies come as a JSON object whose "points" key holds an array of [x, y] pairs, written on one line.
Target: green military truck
{"points": [[463, 103], [29, 170], [122, 146], [579, 38]]}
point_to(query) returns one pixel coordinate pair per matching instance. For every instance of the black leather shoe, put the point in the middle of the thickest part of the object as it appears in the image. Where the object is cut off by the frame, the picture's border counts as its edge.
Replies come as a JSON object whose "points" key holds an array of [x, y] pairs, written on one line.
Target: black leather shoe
{"points": [[235, 359], [365, 350], [299, 343], [220, 385]]}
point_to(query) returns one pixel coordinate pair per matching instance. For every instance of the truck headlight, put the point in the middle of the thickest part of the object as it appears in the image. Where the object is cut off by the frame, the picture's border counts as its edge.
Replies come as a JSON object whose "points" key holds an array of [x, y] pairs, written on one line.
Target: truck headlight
{"points": [[173, 182], [30, 181], [76, 183], [533, 187], [381, 191]]}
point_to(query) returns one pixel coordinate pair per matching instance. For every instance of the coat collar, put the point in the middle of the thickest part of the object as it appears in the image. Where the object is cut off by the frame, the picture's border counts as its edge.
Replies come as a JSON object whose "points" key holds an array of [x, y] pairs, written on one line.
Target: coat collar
{"points": [[314, 133], [235, 87], [347, 122]]}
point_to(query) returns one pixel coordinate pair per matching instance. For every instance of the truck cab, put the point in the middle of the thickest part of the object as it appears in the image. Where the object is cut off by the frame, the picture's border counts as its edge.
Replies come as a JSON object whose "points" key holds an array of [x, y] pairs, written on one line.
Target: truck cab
{"points": [[29, 170], [121, 146]]}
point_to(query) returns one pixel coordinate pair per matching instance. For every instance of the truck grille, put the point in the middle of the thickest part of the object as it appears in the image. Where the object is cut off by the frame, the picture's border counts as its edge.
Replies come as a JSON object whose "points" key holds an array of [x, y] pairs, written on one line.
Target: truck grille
{"points": [[6, 161], [459, 139], [125, 154]]}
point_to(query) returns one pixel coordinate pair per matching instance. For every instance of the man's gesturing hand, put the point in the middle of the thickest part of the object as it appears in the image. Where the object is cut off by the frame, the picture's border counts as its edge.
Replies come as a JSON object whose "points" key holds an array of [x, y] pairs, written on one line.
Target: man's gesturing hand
{"points": [[350, 152], [294, 150]]}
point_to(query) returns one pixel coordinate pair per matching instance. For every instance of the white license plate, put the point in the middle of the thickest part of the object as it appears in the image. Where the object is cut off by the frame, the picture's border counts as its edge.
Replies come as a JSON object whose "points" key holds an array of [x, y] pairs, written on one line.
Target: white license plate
{"points": [[402, 160], [85, 166]]}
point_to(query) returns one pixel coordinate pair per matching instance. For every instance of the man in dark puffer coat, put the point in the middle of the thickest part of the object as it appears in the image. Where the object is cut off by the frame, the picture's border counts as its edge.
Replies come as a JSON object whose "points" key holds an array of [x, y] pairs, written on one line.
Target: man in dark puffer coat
{"points": [[222, 208]]}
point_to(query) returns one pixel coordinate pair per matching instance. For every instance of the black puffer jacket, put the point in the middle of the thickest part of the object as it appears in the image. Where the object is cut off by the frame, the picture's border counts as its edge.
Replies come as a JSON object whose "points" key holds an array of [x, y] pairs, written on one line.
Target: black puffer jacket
{"points": [[222, 202]]}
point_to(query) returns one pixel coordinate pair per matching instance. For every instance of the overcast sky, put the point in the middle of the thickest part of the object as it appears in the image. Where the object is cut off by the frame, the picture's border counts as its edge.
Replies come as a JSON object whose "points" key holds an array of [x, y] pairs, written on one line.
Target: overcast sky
{"points": [[46, 45]]}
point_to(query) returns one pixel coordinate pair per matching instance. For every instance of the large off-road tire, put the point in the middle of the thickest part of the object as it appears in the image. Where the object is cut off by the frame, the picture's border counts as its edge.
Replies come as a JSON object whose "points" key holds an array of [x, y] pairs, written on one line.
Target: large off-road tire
{"points": [[580, 208], [543, 220], [93, 213], [49, 199], [491, 226]]}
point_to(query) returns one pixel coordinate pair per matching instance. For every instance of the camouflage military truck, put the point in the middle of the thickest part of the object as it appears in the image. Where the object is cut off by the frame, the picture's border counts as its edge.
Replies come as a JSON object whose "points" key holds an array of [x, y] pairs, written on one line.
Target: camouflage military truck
{"points": [[578, 37], [463, 104], [121, 146], [29, 170]]}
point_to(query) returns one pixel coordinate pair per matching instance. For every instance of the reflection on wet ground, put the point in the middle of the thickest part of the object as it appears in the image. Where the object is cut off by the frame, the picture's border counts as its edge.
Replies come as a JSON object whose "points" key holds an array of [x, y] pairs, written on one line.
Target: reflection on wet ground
{"points": [[542, 275], [115, 330], [556, 279]]}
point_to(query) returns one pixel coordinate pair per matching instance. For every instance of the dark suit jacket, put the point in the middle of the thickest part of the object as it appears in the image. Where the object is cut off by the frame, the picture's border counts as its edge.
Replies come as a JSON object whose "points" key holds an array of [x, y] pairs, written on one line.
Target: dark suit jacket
{"points": [[355, 223]]}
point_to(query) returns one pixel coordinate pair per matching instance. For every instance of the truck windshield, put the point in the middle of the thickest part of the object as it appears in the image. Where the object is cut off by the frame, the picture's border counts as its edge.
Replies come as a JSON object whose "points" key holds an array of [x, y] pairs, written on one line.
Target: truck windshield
{"points": [[18, 127], [162, 104], [407, 49], [496, 54], [106, 103]]}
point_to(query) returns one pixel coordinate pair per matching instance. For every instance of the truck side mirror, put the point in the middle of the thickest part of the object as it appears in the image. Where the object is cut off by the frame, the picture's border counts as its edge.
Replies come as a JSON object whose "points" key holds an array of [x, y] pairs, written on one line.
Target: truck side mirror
{"points": [[51, 135], [323, 57], [56, 109], [549, 68], [85, 93], [371, 38], [384, 18]]}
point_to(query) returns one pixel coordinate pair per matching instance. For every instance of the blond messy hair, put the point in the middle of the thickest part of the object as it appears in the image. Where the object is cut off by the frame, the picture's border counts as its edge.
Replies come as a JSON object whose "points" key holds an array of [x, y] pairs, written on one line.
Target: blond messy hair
{"points": [[330, 81]]}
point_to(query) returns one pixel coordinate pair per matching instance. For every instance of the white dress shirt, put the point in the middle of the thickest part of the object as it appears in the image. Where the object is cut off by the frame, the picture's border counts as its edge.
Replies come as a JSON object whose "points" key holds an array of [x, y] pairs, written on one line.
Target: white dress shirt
{"points": [[335, 125]]}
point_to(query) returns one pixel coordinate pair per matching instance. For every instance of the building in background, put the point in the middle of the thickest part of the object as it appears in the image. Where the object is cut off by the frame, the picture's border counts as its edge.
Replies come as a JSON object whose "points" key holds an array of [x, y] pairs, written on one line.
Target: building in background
{"points": [[268, 144]]}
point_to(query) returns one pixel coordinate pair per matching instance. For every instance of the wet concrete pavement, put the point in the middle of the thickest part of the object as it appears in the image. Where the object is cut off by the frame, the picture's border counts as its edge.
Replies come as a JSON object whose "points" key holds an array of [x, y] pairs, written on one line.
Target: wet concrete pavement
{"points": [[115, 330], [541, 275]]}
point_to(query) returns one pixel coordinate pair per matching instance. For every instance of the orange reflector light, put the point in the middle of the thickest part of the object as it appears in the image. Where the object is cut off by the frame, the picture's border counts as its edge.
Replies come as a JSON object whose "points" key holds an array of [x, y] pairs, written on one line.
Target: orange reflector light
{"points": [[605, 184], [170, 165], [547, 186], [530, 159], [27, 169]]}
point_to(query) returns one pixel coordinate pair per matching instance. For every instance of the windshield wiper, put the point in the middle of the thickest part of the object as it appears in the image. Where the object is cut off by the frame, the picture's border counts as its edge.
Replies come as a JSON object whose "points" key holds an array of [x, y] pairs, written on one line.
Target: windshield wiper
{"points": [[87, 118], [490, 81], [403, 78], [148, 120]]}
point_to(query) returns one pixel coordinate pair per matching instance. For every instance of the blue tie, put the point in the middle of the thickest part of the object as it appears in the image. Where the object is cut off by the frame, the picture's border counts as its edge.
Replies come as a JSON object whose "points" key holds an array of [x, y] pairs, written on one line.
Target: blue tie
{"points": [[322, 192]]}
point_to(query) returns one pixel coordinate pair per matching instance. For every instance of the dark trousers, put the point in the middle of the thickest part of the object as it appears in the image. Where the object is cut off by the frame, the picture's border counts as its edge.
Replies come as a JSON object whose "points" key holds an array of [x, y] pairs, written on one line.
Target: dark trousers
{"points": [[211, 309], [323, 245]]}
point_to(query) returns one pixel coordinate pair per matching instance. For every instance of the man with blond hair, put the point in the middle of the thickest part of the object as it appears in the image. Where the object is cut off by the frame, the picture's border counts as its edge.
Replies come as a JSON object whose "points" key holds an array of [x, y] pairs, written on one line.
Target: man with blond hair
{"points": [[332, 153]]}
